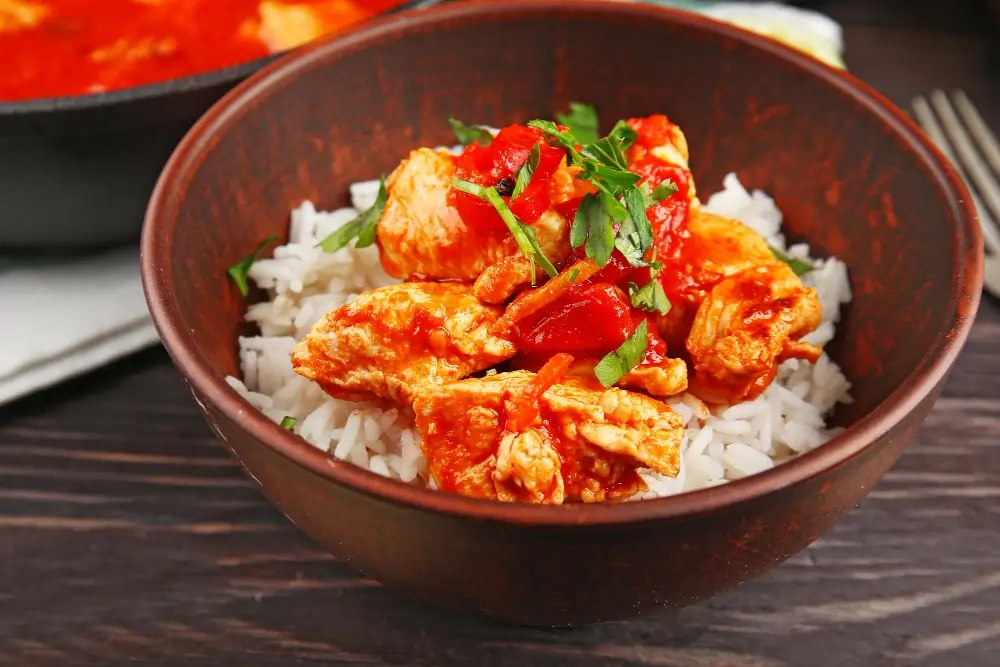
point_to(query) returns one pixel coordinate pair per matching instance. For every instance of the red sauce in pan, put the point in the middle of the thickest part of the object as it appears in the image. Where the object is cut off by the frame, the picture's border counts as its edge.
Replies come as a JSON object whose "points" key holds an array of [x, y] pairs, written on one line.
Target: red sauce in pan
{"points": [[57, 48]]}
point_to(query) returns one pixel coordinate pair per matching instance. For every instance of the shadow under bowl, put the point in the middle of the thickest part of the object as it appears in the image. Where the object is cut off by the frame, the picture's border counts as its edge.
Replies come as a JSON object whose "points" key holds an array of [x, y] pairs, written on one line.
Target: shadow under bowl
{"points": [[853, 176]]}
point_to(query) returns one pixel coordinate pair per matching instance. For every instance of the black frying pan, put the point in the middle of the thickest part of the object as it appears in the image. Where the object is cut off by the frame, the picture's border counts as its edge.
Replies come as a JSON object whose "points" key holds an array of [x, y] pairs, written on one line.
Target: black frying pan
{"points": [[76, 172]]}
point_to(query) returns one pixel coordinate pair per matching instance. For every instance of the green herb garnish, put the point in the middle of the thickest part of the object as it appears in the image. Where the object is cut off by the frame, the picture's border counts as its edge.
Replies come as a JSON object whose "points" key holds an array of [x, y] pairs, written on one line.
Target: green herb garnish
{"points": [[620, 363], [650, 297], [238, 271], [798, 266], [603, 164], [635, 236], [527, 170], [288, 423], [572, 275], [564, 138], [661, 192], [466, 134], [582, 121], [362, 227], [610, 151], [593, 225], [523, 234]]}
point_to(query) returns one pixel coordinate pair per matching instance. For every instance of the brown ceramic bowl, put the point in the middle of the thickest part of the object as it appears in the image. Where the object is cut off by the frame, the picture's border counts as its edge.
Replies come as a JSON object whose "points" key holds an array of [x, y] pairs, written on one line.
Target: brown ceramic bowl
{"points": [[853, 175]]}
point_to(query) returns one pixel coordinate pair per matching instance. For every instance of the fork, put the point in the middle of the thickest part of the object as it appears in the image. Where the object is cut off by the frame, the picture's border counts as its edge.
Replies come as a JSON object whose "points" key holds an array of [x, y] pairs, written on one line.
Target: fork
{"points": [[959, 130]]}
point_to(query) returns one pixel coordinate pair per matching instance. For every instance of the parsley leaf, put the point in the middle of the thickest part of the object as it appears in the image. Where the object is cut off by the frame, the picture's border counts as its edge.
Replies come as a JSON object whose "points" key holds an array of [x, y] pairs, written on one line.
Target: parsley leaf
{"points": [[363, 227], [603, 163], [662, 191], [635, 236], [582, 121], [610, 151], [572, 275], [523, 234], [593, 224], [238, 271], [288, 423], [526, 171], [650, 297], [798, 266], [564, 138], [620, 363], [466, 134]]}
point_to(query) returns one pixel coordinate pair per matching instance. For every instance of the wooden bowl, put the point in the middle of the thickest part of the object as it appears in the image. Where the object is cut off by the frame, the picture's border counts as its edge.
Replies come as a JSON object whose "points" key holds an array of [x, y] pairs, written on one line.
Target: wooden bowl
{"points": [[853, 175]]}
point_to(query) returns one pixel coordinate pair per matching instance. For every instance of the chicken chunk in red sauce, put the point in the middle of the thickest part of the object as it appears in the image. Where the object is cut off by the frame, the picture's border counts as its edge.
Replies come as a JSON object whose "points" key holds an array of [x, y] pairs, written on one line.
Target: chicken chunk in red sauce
{"points": [[577, 442]]}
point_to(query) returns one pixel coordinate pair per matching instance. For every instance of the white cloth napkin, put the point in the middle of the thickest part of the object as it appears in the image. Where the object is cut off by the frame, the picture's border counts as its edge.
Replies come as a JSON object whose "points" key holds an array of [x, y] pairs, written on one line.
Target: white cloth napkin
{"points": [[61, 319]]}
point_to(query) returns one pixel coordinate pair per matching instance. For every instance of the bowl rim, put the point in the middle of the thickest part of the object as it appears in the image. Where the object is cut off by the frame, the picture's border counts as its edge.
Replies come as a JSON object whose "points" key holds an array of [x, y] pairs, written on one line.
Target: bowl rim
{"points": [[156, 268]]}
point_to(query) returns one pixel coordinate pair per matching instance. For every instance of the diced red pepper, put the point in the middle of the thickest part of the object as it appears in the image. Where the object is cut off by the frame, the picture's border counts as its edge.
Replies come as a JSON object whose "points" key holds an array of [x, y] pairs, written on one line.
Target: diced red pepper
{"points": [[670, 215], [656, 347], [523, 408], [499, 162], [591, 320], [617, 271], [652, 131], [568, 209]]}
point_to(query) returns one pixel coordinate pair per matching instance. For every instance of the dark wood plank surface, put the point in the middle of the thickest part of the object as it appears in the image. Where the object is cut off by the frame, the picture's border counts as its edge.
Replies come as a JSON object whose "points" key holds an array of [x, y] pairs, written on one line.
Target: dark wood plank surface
{"points": [[126, 533]]}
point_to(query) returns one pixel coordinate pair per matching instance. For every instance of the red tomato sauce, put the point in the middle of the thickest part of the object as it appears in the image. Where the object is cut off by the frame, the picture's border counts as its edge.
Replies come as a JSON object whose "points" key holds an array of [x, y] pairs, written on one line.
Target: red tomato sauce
{"points": [[58, 48]]}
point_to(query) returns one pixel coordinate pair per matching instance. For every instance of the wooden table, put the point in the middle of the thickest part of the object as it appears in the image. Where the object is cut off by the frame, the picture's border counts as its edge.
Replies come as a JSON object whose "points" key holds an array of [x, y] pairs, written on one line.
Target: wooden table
{"points": [[126, 533]]}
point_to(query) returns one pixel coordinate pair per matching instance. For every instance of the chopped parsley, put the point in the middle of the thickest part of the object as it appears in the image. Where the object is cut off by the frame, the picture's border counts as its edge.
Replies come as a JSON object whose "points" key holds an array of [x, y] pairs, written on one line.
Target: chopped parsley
{"points": [[618, 201], [650, 297], [620, 363], [288, 423], [661, 192], [527, 170], [523, 234], [466, 134], [573, 275], [238, 271], [592, 225], [362, 227], [582, 122], [610, 151], [635, 236], [798, 266]]}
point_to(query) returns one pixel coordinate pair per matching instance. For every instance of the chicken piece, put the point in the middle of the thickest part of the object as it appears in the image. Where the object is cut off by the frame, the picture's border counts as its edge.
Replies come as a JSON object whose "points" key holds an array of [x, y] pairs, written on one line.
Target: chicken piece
{"points": [[673, 150], [285, 26], [420, 234], [510, 275], [21, 15], [749, 324], [585, 443], [666, 379], [724, 246], [716, 248], [393, 341]]}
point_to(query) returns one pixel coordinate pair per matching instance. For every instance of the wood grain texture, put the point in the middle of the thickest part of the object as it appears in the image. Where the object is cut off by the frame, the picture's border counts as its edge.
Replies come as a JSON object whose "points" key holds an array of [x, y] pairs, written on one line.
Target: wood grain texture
{"points": [[127, 534]]}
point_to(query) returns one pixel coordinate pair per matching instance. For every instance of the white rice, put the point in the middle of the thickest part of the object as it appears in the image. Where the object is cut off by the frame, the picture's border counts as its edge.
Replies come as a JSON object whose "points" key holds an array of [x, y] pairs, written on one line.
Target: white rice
{"points": [[304, 283]]}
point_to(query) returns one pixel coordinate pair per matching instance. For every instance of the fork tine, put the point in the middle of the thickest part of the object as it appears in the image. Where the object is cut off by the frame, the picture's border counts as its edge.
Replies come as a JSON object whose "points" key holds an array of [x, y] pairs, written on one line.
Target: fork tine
{"points": [[984, 182], [925, 117], [981, 132], [991, 275]]}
